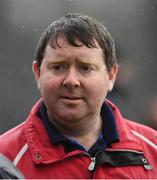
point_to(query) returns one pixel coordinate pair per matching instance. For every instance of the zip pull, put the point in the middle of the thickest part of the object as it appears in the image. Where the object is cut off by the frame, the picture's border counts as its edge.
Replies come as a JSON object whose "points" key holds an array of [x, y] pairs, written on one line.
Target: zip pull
{"points": [[145, 164], [92, 164]]}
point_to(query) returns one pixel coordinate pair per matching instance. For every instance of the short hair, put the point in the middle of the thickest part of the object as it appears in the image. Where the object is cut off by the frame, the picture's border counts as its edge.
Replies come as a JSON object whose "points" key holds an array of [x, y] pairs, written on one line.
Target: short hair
{"points": [[74, 27]]}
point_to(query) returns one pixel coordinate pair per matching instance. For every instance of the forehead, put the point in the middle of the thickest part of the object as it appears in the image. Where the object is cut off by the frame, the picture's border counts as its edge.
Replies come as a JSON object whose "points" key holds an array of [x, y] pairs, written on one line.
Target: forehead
{"points": [[63, 48]]}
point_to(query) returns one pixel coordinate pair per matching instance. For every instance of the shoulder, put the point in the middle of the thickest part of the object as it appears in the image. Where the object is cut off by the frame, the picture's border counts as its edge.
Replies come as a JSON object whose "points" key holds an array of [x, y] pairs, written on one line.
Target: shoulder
{"points": [[12, 140], [12, 134], [141, 128], [146, 135], [16, 136], [134, 132]]}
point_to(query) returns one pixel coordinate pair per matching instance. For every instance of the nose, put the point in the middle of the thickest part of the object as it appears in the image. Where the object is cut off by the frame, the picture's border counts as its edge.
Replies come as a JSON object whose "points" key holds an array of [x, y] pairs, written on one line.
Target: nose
{"points": [[71, 78]]}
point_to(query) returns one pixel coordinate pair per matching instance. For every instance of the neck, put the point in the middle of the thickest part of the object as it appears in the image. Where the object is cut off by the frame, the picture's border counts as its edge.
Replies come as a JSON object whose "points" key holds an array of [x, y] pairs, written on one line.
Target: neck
{"points": [[85, 131]]}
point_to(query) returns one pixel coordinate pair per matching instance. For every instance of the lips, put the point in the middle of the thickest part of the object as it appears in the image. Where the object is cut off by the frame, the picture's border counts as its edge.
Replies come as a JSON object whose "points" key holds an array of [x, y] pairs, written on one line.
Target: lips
{"points": [[71, 97]]}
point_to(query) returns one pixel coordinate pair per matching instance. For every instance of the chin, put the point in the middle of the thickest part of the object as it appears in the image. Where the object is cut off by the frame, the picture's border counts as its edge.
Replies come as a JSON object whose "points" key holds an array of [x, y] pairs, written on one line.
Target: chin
{"points": [[70, 118]]}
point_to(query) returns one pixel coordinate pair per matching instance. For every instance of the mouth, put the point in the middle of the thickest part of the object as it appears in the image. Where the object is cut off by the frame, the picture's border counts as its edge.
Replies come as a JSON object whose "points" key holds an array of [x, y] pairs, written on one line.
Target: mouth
{"points": [[71, 100], [71, 97]]}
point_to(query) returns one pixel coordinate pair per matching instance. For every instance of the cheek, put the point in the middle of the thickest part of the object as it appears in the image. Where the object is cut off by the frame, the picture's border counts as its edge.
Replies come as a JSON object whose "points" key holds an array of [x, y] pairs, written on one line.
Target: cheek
{"points": [[48, 86], [100, 86], [97, 91]]}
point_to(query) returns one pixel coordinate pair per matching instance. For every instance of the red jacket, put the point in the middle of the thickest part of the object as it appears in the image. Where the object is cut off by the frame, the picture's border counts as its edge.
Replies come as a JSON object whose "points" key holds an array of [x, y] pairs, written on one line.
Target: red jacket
{"points": [[31, 150]]}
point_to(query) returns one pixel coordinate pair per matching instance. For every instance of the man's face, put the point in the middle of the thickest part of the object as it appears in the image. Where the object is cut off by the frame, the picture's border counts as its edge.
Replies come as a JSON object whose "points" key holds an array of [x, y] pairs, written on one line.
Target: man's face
{"points": [[73, 81]]}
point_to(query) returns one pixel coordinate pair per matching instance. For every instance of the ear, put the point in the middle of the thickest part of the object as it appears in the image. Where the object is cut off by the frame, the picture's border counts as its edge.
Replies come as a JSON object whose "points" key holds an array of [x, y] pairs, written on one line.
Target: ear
{"points": [[112, 77], [36, 72]]}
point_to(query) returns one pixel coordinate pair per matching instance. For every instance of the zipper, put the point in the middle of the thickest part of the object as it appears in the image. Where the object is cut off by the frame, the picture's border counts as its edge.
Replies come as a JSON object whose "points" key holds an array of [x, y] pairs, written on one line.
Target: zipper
{"points": [[93, 161], [92, 164], [145, 163]]}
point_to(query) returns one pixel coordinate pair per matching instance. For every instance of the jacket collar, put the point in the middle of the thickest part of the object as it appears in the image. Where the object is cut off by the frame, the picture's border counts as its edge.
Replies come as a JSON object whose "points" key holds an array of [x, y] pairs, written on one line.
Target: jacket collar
{"points": [[43, 151], [109, 129], [124, 127]]}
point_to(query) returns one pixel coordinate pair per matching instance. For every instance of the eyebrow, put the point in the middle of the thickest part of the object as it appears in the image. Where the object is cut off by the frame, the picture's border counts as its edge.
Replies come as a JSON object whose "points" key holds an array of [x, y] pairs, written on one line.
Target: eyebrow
{"points": [[51, 61], [78, 60], [86, 62]]}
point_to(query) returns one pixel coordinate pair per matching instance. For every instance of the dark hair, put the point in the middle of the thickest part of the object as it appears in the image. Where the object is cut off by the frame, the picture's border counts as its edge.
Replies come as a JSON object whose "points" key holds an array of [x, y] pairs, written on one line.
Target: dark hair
{"points": [[78, 27]]}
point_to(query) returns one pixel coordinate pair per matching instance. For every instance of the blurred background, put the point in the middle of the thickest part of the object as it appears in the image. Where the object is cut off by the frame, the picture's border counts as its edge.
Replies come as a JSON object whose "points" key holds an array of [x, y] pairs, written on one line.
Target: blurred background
{"points": [[133, 25]]}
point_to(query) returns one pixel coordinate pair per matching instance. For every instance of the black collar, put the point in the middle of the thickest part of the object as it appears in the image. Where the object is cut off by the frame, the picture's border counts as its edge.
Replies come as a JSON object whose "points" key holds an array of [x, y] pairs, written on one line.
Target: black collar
{"points": [[108, 136]]}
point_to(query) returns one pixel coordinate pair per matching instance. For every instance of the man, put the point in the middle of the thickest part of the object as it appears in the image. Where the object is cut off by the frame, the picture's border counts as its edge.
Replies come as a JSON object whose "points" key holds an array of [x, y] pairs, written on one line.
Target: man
{"points": [[74, 131]]}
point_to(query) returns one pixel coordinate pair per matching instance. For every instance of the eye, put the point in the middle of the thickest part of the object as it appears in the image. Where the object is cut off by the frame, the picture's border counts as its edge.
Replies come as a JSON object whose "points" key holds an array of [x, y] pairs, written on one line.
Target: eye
{"points": [[85, 68], [58, 68]]}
